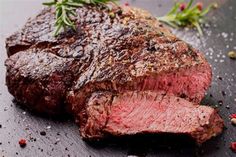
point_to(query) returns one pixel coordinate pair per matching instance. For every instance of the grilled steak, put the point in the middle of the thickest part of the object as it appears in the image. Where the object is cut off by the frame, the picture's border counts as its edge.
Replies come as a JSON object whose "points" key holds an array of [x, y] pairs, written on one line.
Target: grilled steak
{"points": [[128, 51]]}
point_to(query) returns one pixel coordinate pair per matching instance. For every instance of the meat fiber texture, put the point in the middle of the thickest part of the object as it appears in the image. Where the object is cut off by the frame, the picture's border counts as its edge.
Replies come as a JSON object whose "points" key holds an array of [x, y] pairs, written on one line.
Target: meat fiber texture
{"points": [[133, 113], [128, 52]]}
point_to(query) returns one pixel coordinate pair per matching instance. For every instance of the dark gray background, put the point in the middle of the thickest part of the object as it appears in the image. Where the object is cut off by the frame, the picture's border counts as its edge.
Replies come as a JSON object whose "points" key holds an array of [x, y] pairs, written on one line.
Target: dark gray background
{"points": [[62, 137]]}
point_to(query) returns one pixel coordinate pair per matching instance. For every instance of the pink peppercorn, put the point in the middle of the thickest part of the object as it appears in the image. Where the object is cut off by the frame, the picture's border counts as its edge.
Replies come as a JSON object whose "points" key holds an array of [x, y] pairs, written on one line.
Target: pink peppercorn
{"points": [[126, 4], [199, 6], [182, 6], [22, 143], [233, 146], [233, 115]]}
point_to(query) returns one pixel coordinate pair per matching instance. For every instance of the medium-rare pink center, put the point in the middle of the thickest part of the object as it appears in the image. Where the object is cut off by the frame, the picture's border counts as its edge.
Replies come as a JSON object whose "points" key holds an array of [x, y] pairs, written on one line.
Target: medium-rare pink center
{"points": [[147, 113], [190, 83]]}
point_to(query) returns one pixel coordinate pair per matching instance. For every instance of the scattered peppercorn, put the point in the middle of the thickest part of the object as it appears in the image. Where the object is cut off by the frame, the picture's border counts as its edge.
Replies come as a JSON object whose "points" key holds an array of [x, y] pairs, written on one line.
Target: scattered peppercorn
{"points": [[199, 6], [233, 146], [232, 54], [223, 93], [43, 133], [182, 6], [233, 115], [22, 143], [220, 102], [126, 4]]}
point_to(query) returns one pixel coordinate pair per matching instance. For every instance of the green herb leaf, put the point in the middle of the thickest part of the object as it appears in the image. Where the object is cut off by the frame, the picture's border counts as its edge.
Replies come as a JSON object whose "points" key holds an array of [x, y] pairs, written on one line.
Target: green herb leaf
{"points": [[182, 16], [66, 11]]}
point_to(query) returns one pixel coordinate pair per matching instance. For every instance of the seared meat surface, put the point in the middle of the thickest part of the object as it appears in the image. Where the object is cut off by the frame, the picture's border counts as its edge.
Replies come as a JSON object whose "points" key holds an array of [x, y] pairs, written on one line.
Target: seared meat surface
{"points": [[128, 52], [40, 80]]}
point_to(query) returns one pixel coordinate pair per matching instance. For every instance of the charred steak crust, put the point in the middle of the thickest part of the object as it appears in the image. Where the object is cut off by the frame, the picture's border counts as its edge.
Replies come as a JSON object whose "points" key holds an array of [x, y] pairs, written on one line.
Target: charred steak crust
{"points": [[130, 51], [39, 80]]}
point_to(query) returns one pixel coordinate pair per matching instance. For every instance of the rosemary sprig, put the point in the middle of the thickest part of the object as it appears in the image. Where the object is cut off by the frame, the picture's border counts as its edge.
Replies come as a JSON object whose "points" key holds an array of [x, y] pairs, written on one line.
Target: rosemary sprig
{"points": [[66, 11], [182, 15]]}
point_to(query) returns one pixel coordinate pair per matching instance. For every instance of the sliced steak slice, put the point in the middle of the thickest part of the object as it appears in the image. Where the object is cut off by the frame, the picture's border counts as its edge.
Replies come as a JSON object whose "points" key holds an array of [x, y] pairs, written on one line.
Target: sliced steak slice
{"points": [[148, 112]]}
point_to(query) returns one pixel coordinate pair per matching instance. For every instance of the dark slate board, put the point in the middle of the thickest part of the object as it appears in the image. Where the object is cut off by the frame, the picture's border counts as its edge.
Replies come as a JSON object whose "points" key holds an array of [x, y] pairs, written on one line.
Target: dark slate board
{"points": [[62, 138]]}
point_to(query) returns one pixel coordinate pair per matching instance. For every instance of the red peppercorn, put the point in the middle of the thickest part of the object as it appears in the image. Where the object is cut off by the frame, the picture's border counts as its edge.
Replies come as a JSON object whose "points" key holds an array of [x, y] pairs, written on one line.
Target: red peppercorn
{"points": [[182, 6], [199, 6], [126, 4], [22, 143], [233, 146], [233, 115]]}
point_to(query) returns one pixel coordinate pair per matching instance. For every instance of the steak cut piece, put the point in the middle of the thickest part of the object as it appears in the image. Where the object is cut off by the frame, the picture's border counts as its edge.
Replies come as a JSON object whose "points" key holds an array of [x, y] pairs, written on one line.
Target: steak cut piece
{"points": [[134, 112], [39, 80], [128, 52]]}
